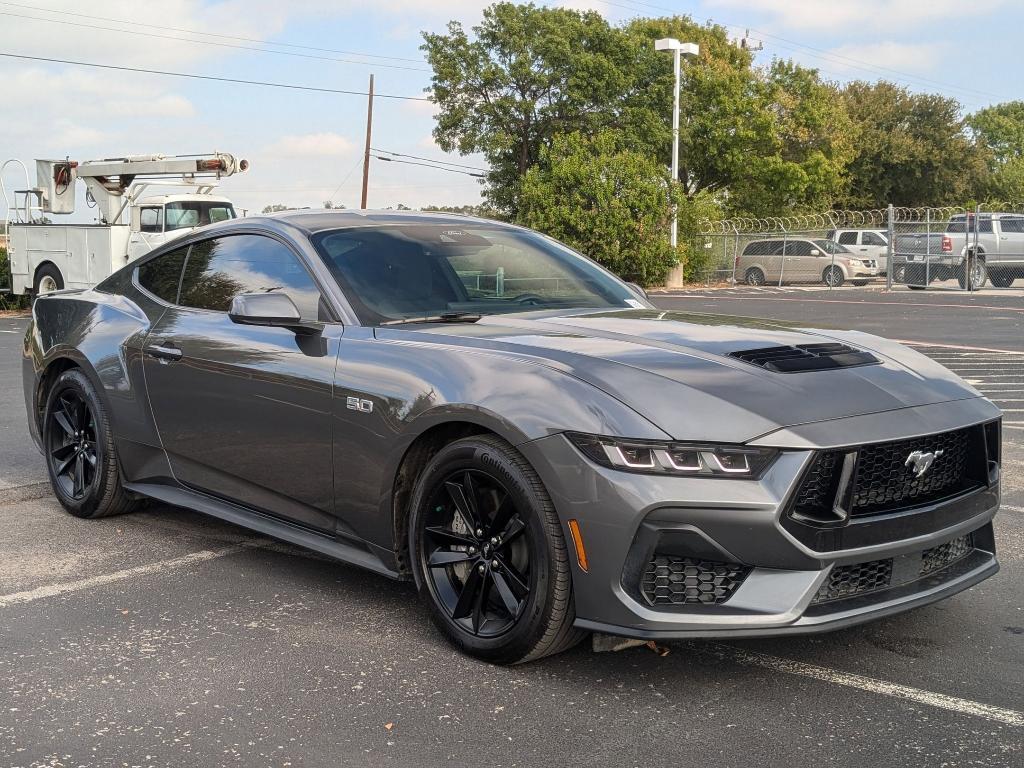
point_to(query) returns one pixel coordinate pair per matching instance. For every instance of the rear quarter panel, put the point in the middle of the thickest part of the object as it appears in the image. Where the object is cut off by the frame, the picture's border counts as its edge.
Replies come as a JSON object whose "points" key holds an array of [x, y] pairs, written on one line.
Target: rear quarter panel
{"points": [[102, 334]]}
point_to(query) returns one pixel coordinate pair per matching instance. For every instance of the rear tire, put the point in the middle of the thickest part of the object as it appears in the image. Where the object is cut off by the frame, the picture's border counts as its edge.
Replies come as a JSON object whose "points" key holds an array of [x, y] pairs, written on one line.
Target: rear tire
{"points": [[979, 273], [79, 447], [48, 279], [860, 283], [488, 555], [754, 276]]}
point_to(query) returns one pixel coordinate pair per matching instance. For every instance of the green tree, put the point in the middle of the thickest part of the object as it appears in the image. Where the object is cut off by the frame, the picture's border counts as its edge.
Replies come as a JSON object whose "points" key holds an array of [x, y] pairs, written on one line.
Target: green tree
{"points": [[605, 200], [527, 74], [482, 211], [912, 149], [999, 131], [276, 207]]}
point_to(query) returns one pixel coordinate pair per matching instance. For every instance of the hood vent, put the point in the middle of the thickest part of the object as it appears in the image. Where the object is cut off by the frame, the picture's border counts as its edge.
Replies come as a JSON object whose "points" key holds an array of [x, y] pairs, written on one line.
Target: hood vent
{"points": [[806, 357]]}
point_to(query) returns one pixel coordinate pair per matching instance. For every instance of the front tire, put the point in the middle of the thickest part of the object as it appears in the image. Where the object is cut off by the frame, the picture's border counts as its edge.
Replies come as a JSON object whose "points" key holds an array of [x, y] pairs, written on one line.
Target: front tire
{"points": [[488, 554], [80, 455], [833, 277], [1002, 279]]}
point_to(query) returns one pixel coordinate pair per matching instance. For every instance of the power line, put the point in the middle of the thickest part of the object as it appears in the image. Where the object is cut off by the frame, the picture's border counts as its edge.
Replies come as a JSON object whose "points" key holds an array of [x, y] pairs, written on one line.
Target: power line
{"points": [[290, 86], [429, 159], [211, 34], [210, 42], [427, 165]]}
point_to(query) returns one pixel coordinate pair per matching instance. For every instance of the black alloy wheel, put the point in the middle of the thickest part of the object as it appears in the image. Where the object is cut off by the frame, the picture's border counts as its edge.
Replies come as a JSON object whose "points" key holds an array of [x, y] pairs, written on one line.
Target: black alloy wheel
{"points": [[71, 444], [81, 457], [478, 561], [488, 553]]}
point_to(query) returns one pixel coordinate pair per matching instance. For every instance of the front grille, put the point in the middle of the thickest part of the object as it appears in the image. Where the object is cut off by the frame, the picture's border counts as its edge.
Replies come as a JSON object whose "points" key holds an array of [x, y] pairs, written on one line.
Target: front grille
{"points": [[883, 481], [937, 558], [850, 580], [817, 492], [805, 357], [674, 580]]}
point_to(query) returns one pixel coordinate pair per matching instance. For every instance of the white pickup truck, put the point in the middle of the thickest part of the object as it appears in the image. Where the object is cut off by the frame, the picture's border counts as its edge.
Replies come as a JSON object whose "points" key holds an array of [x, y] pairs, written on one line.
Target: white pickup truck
{"points": [[989, 247]]}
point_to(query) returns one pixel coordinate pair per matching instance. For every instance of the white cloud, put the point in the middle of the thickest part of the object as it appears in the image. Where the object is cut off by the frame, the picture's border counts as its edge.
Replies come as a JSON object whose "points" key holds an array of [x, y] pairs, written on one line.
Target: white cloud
{"points": [[907, 57], [311, 145], [856, 17]]}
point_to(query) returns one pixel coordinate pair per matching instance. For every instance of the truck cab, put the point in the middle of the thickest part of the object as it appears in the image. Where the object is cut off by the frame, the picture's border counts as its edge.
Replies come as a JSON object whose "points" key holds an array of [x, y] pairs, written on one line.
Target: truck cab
{"points": [[156, 220]]}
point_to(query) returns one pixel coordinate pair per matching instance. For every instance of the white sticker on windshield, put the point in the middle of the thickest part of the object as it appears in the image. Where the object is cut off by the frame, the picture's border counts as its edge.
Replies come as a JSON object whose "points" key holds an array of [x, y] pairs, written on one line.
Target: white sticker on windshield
{"points": [[635, 304]]}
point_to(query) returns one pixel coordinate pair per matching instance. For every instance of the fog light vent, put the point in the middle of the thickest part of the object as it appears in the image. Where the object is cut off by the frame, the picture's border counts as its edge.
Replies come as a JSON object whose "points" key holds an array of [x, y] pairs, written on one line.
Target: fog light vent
{"points": [[674, 580], [858, 579]]}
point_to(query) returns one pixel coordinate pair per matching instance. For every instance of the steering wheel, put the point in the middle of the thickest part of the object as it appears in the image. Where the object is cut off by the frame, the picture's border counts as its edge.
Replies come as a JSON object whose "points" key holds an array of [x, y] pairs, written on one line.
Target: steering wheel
{"points": [[529, 299]]}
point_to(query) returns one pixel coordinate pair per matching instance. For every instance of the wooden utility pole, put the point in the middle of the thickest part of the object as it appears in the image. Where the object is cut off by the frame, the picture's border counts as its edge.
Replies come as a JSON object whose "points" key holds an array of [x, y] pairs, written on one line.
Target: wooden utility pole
{"points": [[366, 153]]}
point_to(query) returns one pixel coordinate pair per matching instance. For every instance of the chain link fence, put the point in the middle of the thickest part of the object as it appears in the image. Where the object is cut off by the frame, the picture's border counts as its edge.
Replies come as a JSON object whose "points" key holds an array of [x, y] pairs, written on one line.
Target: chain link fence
{"points": [[953, 248]]}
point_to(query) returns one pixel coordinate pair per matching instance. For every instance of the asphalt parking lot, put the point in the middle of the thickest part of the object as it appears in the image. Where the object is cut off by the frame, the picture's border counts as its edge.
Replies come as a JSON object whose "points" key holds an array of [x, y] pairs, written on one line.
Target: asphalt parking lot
{"points": [[165, 638]]}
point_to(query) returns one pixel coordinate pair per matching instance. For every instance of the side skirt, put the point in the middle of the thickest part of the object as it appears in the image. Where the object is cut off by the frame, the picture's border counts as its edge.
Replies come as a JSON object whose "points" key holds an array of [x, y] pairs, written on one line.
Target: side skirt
{"points": [[265, 524]]}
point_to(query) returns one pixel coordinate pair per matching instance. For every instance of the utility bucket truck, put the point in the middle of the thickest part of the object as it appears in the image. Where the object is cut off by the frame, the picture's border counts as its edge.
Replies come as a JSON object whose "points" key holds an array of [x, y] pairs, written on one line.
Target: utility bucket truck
{"points": [[47, 257]]}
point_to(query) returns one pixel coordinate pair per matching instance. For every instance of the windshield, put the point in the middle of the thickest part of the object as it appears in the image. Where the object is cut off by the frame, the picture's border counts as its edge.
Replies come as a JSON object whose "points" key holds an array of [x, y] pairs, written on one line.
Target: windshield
{"points": [[407, 271], [830, 247], [188, 214]]}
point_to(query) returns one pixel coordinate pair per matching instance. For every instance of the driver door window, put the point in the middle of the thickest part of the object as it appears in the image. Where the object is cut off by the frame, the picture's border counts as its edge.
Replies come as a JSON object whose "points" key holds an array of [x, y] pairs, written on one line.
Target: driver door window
{"points": [[151, 220], [218, 270]]}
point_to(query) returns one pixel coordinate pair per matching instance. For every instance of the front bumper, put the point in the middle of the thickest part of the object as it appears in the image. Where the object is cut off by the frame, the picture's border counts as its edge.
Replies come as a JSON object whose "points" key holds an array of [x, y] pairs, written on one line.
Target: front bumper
{"points": [[625, 519]]}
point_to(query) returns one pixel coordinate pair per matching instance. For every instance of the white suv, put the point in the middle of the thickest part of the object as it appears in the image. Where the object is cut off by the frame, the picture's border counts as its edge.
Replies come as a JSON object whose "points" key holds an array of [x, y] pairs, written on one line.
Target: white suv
{"points": [[867, 243]]}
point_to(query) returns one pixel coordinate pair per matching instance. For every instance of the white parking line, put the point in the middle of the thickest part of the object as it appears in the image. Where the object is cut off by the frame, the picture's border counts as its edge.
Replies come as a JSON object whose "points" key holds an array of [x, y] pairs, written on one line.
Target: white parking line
{"points": [[52, 590], [869, 684]]}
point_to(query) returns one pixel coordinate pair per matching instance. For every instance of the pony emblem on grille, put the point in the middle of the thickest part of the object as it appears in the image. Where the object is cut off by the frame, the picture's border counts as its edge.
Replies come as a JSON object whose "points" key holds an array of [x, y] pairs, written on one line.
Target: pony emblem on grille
{"points": [[921, 461]]}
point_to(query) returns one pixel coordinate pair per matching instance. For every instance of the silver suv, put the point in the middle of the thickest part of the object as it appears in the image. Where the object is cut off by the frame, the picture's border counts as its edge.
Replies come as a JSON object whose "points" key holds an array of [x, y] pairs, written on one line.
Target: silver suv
{"points": [[802, 260]]}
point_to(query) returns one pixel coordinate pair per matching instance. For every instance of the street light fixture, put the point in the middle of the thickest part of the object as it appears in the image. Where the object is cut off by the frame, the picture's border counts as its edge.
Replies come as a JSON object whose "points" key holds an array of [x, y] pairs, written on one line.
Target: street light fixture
{"points": [[678, 50]]}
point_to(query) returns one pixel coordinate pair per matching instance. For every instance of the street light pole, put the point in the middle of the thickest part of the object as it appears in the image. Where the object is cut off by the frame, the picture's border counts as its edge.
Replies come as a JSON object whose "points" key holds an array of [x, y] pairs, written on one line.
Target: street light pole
{"points": [[678, 51]]}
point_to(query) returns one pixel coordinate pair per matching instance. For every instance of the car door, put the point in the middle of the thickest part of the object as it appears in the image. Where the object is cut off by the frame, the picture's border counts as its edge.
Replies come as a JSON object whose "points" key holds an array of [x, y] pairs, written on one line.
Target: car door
{"points": [[244, 411], [799, 265]]}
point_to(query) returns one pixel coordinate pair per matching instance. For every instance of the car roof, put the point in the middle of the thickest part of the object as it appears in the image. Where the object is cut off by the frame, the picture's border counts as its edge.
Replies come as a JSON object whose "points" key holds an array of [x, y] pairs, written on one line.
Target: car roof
{"points": [[312, 221]]}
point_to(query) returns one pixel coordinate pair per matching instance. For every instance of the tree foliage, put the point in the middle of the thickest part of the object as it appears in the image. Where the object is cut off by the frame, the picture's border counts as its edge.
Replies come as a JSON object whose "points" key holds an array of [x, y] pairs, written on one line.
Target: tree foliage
{"points": [[605, 200], [999, 132], [912, 149]]}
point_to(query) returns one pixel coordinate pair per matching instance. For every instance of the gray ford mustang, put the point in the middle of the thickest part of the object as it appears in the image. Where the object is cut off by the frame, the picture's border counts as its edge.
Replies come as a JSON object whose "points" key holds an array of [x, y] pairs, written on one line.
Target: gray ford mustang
{"points": [[476, 407]]}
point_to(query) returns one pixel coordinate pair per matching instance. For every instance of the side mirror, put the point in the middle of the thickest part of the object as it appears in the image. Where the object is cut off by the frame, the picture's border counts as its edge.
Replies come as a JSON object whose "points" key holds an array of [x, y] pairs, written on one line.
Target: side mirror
{"points": [[638, 290], [815, 252], [268, 309]]}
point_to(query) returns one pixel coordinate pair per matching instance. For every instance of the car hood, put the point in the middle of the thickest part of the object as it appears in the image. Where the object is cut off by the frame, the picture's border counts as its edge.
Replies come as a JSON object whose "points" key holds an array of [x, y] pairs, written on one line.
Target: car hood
{"points": [[673, 367]]}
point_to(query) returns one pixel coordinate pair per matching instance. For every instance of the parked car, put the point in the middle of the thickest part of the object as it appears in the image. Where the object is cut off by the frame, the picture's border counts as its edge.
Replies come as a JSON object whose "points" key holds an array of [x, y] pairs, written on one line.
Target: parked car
{"points": [[867, 243], [989, 249], [476, 408], [802, 260]]}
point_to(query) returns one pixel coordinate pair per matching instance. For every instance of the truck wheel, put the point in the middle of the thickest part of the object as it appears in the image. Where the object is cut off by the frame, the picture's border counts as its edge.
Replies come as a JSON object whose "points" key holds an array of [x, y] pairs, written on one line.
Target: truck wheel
{"points": [[833, 276], [1001, 279], [48, 280], [979, 274]]}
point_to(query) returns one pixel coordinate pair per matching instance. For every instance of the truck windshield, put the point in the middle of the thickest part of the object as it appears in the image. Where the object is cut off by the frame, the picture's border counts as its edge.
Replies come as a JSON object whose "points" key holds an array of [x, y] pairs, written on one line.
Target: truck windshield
{"points": [[188, 214]]}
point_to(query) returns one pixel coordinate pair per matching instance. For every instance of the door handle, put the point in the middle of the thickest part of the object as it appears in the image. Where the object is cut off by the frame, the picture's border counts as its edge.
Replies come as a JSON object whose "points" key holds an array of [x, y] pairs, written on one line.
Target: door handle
{"points": [[165, 353]]}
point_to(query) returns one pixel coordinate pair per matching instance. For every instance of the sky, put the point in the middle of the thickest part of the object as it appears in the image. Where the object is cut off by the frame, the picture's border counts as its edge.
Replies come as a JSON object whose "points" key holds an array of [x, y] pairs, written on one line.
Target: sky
{"points": [[306, 147]]}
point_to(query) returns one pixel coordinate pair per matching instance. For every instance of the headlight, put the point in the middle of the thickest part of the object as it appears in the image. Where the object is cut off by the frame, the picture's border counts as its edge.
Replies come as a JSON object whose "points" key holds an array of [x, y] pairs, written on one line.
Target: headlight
{"points": [[658, 458]]}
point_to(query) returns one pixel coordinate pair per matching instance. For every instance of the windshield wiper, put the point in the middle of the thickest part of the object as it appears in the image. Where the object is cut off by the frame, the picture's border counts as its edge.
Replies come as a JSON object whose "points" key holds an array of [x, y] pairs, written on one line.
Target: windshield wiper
{"points": [[444, 317]]}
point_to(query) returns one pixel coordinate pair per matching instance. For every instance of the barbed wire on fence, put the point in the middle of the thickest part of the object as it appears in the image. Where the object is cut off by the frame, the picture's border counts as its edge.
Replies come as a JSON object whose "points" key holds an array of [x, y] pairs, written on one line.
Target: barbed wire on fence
{"points": [[877, 218]]}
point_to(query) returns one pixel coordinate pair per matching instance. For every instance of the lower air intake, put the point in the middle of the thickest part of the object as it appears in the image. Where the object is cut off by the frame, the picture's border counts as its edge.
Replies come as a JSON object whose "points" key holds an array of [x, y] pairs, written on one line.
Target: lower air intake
{"points": [[851, 580], [673, 580]]}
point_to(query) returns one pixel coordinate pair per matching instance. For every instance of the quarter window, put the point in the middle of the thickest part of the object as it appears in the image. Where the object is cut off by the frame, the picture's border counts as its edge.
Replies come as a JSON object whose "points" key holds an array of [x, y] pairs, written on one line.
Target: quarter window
{"points": [[220, 269], [161, 276], [872, 238]]}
